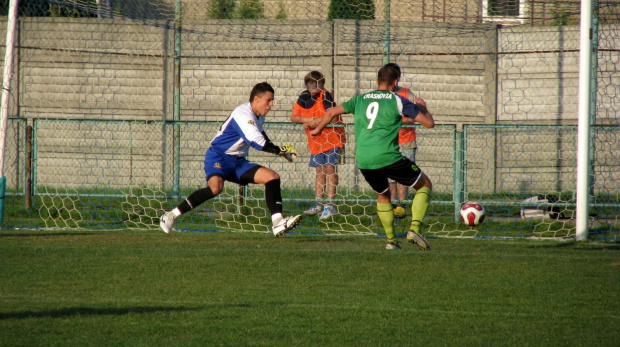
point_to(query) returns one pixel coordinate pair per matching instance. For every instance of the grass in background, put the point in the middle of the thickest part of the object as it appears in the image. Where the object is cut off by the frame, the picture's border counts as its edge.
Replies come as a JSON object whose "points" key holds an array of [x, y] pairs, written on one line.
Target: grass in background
{"points": [[135, 288]]}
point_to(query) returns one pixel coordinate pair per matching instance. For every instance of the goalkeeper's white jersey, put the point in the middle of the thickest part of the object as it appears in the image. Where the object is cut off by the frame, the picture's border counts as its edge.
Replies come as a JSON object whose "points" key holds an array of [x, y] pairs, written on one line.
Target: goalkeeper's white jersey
{"points": [[242, 129]]}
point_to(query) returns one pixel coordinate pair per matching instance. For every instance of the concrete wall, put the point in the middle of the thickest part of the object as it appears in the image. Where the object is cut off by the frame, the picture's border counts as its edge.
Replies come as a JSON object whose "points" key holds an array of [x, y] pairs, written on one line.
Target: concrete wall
{"points": [[104, 69]]}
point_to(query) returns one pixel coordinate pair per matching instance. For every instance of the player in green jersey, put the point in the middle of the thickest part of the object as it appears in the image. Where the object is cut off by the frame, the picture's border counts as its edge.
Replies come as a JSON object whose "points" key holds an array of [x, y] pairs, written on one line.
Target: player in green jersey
{"points": [[377, 120]]}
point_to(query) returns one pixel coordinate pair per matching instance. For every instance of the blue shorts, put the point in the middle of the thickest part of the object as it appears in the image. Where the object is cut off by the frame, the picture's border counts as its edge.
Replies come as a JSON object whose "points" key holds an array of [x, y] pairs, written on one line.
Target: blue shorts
{"points": [[229, 167], [331, 157]]}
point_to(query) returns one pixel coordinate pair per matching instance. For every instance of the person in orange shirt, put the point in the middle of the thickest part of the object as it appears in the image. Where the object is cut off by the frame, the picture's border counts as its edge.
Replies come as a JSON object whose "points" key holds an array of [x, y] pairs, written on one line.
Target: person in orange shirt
{"points": [[325, 150], [407, 145]]}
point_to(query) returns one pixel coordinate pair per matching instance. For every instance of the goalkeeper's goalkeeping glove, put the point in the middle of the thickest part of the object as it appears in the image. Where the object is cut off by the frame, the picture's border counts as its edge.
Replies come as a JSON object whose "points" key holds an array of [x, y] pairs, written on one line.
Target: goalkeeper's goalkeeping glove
{"points": [[288, 152]]}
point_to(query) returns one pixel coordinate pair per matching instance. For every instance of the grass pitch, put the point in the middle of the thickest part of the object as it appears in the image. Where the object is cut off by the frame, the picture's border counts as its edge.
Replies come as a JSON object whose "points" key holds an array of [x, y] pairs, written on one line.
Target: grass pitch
{"points": [[146, 288]]}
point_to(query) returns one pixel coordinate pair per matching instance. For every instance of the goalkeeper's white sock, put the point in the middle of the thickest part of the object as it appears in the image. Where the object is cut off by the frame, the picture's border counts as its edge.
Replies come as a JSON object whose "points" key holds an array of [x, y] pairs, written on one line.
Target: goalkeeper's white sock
{"points": [[176, 212]]}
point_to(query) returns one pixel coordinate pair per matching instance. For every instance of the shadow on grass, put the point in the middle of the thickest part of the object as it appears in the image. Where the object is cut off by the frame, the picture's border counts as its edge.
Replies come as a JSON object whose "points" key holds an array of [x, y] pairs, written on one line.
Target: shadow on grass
{"points": [[47, 234], [303, 238], [85, 311], [585, 246]]}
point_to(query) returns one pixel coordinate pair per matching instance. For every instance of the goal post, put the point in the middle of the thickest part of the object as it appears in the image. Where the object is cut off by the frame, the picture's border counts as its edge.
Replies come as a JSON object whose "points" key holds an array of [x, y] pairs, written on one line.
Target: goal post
{"points": [[6, 91], [585, 100]]}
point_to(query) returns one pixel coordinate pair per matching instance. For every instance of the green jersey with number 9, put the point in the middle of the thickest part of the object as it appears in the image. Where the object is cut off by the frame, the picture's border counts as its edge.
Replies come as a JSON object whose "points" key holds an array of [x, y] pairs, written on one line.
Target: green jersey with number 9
{"points": [[377, 120]]}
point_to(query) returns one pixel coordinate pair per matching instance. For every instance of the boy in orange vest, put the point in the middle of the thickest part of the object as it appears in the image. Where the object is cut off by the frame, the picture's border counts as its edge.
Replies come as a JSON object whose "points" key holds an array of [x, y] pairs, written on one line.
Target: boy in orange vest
{"points": [[325, 150]]}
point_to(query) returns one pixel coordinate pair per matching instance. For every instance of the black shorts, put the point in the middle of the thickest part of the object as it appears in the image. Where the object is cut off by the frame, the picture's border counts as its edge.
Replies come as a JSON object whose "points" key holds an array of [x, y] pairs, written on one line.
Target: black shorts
{"points": [[403, 171]]}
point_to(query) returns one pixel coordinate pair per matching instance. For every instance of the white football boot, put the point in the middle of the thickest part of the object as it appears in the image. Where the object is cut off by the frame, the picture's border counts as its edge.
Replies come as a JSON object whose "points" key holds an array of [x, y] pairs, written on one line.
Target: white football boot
{"points": [[419, 240], [166, 221], [285, 224], [391, 246]]}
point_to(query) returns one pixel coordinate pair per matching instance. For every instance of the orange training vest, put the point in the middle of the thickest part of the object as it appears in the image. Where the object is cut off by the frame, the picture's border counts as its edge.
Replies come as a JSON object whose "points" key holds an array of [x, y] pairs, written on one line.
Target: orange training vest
{"points": [[405, 135], [330, 137]]}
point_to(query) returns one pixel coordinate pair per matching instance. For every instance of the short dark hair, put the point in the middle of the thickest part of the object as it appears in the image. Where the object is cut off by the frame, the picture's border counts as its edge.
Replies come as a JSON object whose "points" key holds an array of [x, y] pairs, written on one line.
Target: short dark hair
{"points": [[394, 66], [314, 75], [387, 75], [260, 89]]}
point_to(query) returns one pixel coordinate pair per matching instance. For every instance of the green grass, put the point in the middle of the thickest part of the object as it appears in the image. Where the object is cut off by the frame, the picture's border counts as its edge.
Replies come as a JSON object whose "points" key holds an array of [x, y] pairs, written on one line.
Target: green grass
{"points": [[138, 288]]}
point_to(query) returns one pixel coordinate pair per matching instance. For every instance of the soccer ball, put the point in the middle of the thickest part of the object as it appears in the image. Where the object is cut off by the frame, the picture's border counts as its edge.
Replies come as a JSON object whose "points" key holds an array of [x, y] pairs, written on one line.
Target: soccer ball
{"points": [[472, 213], [399, 211]]}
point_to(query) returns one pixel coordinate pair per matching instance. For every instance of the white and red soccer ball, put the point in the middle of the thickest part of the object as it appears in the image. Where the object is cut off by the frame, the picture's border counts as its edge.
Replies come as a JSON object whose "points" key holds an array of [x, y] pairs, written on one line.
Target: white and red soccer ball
{"points": [[472, 213]]}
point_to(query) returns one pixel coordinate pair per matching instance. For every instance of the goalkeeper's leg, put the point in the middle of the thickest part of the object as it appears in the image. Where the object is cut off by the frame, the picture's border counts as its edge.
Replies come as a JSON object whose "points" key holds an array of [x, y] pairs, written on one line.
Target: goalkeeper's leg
{"points": [[194, 200], [273, 199]]}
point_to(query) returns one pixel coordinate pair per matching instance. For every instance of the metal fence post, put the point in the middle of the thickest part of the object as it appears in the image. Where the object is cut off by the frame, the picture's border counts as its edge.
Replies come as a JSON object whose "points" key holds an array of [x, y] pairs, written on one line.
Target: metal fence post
{"points": [[177, 99], [458, 173]]}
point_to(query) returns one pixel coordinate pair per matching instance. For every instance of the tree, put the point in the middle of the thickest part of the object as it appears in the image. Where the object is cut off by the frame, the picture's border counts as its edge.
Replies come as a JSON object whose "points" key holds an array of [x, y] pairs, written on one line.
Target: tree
{"points": [[281, 12], [42, 8], [351, 9], [222, 9], [251, 9], [562, 15]]}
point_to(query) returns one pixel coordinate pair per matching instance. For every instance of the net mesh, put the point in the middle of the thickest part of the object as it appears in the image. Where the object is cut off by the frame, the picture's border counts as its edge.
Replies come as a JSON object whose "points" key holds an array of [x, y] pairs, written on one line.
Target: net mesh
{"points": [[116, 102]]}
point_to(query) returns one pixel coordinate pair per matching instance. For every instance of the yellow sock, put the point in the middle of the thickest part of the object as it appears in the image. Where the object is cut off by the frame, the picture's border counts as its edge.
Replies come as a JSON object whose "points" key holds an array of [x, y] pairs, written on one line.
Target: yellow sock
{"points": [[418, 207], [386, 216]]}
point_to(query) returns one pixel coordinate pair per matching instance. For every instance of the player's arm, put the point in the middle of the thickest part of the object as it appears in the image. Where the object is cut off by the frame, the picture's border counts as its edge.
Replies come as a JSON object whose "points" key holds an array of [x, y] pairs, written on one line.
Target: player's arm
{"points": [[304, 100], [411, 97], [417, 112], [269, 147], [328, 104], [408, 121], [327, 118], [251, 133], [265, 136], [297, 118], [254, 136], [307, 122], [288, 152], [424, 117]]}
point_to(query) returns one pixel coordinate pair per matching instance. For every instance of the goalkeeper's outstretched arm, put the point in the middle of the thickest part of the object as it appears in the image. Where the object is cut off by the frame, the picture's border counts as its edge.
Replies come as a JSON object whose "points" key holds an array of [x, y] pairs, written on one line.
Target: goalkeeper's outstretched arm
{"points": [[269, 147], [266, 137], [287, 152]]}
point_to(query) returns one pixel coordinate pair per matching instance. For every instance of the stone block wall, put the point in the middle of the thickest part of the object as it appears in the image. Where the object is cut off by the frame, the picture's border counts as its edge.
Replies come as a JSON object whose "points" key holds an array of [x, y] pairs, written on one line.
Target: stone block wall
{"points": [[96, 70]]}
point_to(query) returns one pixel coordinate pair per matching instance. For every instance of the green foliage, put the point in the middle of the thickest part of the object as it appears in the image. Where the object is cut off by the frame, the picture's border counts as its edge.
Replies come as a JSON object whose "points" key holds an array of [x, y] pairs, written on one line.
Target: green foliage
{"points": [[251, 9], [228, 9], [63, 11], [31, 8], [561, 14], [222, 9], [351, 9], [281, 12], [118, 7], [42, 8]]}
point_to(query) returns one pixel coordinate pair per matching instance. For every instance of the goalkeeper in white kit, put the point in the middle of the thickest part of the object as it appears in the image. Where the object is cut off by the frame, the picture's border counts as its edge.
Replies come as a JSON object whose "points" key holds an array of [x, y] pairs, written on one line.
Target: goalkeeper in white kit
{"points": [[225, 161]]}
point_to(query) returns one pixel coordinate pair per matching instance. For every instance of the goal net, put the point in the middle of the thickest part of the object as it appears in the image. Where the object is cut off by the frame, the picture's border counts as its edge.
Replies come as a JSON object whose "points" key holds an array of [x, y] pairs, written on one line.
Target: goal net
{"points": [[115, 103]]}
